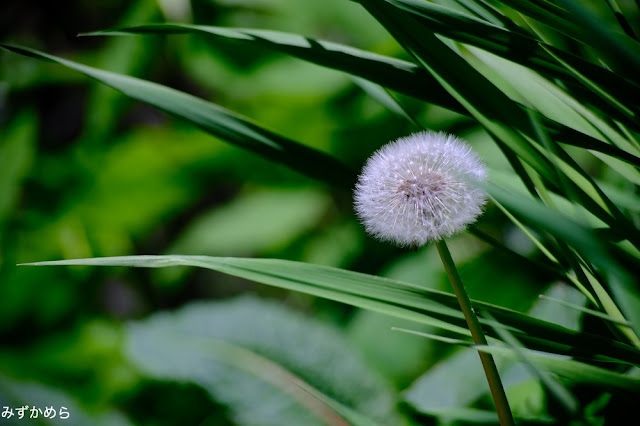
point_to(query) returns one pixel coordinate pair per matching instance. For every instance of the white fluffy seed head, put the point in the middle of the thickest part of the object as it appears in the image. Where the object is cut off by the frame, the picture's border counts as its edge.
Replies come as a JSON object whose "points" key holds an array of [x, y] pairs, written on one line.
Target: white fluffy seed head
{"points": [[420, 188]]}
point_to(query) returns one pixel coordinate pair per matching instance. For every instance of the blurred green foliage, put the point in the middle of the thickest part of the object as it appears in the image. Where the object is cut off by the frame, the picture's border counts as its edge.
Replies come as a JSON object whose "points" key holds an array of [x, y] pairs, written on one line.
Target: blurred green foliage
{"points": [[87, 172]]}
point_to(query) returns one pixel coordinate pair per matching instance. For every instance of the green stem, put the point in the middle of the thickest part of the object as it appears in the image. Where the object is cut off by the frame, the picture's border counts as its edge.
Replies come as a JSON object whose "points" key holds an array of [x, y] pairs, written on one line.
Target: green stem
{"points": [[488, 364]]}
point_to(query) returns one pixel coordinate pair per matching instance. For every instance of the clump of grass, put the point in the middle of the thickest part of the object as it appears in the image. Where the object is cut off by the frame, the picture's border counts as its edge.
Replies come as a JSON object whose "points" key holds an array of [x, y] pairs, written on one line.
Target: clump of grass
{"points": [[552, 84]]}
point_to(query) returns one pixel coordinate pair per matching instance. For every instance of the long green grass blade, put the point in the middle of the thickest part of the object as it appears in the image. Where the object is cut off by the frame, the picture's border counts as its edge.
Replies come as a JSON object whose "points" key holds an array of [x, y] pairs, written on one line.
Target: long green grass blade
{"points": [[622, 20], [389, 297], [593, 86], [547, 13], [621, 284], [555, 388], [486, 12], [492, 108], [574, 19], [585, 310], [216, 120], [573, 371], [401, 76], [620, 51], [387, 99], [519, 47]]}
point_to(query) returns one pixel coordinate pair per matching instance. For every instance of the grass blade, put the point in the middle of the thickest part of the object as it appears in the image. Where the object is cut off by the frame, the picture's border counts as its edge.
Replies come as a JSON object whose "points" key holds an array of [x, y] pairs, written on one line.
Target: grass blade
{"points": [[574, 371], [621, 285], [510, 44], [563, 396], [389, 297], [217, 121], [401, 76], [621, 51], [585, 310], [492, 108]]}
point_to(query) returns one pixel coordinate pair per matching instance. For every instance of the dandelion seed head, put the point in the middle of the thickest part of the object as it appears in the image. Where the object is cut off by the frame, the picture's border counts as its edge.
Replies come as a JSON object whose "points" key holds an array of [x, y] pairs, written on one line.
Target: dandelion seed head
{"points": [[420, 188]]}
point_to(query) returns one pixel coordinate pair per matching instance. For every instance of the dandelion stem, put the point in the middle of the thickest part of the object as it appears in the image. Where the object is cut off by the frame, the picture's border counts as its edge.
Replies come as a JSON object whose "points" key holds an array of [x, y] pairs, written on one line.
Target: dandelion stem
{"points": [[488, 364]]}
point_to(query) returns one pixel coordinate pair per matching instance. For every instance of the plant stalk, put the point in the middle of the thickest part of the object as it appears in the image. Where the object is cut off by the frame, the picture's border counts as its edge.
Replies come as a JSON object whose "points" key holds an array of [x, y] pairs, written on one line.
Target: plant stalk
{"points": [[488, 364]]}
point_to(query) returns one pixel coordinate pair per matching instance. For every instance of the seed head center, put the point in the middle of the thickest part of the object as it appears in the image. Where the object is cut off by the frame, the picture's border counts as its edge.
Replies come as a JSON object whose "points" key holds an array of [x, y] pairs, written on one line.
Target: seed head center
{"points": [[423, 188]]}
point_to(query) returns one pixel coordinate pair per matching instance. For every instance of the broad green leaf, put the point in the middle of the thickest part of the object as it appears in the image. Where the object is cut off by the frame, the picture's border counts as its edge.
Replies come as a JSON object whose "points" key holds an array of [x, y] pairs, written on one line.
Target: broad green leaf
{"points": [[454, 383], [216, 120], [400, 358], [266, 362], [394, 298], [250, 386], [449, 388]]}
